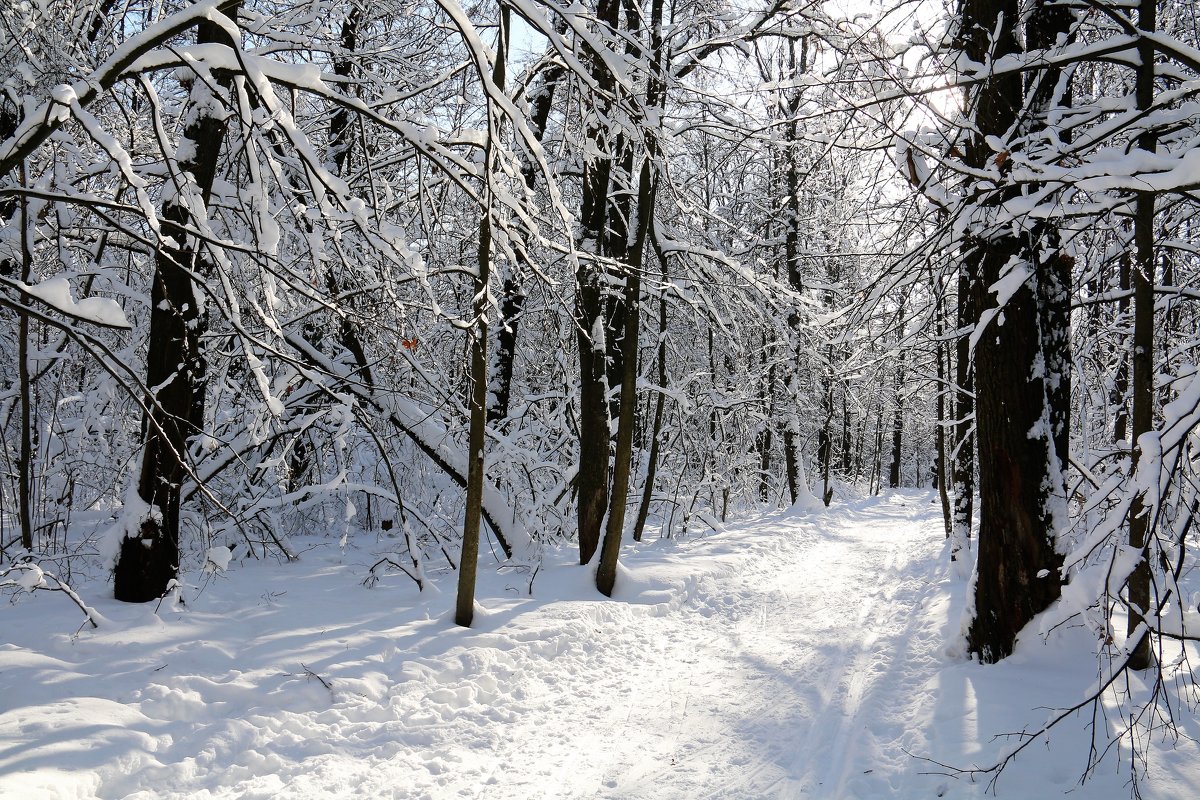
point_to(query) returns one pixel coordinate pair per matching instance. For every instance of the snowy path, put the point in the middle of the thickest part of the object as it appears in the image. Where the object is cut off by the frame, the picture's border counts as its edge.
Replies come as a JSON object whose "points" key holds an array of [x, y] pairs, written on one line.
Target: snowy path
{"points": [[788, 673], [790, 657]]}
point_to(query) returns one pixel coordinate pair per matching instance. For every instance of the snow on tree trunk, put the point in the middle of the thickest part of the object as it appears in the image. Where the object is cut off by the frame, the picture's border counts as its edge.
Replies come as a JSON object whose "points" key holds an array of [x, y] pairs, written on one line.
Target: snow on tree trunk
{"points": [[175, 364]]}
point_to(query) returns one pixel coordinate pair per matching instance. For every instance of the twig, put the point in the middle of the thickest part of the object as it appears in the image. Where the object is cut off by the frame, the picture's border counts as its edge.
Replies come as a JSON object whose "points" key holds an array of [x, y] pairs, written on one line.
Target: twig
{"points": [[372, 578], [995, 769], [312, 674], [532, 577], [63, 586]]}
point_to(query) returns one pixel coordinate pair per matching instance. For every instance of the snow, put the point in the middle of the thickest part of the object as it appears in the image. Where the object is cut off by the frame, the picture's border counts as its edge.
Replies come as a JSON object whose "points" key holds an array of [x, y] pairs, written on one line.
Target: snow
{"points": [[792, 655], [217, 558], [31, 578], [56, 293]]}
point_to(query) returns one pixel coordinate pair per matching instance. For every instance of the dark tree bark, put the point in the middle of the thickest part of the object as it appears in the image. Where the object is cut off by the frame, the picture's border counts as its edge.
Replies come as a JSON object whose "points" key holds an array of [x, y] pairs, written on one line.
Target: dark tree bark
{"points": [[25, 454], [623, 461], [1048, 22], [897, 424], [512, 304], [939, 436], [876, 482], [847, 443], [1119, 396], [635, 258], [592, 479], [825, 436], [766, 394], [795, 277], [660, 400], [964, 410], [1018, 568], [175, 364], [1141, 656], [590, 323]]}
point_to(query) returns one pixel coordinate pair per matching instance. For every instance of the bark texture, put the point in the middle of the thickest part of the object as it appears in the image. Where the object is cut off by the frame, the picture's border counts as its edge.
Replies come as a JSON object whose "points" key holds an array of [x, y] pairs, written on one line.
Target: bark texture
{"points": [[175, 365]]}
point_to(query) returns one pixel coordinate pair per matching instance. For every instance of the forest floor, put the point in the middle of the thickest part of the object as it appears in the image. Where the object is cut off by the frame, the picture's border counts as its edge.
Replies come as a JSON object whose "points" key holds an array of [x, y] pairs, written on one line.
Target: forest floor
{"points": [[795, 655]]}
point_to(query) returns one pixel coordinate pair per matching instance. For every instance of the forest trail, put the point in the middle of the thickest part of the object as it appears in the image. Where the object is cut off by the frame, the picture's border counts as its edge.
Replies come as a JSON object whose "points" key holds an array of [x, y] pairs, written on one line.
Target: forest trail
{"points": [[791, 656]]}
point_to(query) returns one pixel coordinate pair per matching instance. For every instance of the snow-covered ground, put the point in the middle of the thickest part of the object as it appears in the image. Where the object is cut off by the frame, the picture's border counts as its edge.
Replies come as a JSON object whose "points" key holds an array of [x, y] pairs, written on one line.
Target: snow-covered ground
{"points": [[793, 656]]}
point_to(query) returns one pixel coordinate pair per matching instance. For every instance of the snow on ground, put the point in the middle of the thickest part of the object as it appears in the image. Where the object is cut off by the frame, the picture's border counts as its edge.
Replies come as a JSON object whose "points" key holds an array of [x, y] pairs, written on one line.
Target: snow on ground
{"points": [[792, 656]]}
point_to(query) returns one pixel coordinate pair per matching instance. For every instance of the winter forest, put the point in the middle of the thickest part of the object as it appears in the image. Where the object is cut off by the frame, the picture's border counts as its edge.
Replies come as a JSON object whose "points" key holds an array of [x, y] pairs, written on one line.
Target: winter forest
{"points": [[500, 342]]}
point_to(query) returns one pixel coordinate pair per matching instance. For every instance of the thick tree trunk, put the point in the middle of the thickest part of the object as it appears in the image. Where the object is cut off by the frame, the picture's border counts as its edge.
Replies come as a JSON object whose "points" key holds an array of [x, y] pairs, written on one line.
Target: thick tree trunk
{"points": [[592, 478], [175, 365], [1020, 479], [1050, 22], [795, 278], [606, 574], [591, 326], [1018, 567]]}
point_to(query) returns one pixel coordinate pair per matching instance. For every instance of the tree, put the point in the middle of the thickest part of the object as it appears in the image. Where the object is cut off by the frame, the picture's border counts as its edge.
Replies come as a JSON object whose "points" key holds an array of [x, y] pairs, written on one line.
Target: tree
{"points": [[1143, 350], [467, 564], [176, 367], [1020, 475]]}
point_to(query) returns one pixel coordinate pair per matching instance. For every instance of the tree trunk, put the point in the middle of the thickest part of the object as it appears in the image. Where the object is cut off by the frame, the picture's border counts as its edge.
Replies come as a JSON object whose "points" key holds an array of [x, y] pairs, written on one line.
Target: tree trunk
{"points": [[175, 365], [468, 563], [964, 413], [847, 444], [1119, 396], [766, 394], [591, 327], [25, 455], [512, 303], [659, 405], [939, 436], [1141, 656], [825, 438], [512, 295], [897, 425], [606, 574], [1018, 568], [795, 277]]}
